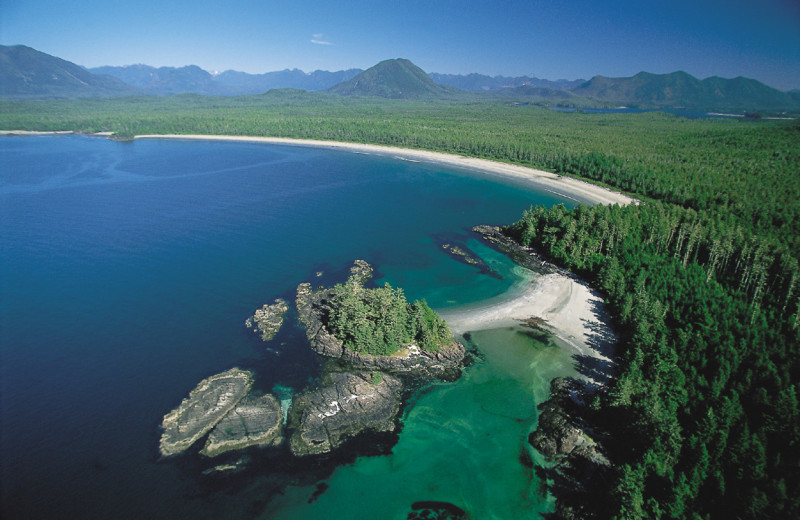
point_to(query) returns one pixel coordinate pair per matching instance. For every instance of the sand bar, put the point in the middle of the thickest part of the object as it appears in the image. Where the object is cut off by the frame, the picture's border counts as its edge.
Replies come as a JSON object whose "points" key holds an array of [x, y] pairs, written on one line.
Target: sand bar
{"points": [[565, 186]]}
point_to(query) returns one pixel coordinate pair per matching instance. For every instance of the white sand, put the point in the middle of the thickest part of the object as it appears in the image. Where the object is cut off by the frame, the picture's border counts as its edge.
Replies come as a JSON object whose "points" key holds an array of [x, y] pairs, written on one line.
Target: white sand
{"points": [[565, 186], [567, 307]]}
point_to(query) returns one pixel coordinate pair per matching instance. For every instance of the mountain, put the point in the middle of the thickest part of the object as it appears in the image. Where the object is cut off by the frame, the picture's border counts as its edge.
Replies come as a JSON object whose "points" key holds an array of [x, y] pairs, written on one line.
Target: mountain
{"points": [[193, 79], [483, 83], [397, 79], [680, 89], [26, 73], [165, 80], [244, 83]]}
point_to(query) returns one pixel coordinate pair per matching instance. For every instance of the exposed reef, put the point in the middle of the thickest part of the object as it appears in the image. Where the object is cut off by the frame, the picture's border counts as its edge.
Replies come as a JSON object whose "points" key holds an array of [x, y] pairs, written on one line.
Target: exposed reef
{"points": [[347, 405], [256, 421], [268, 319], [462, 253], [524, 256], [206, 405]]}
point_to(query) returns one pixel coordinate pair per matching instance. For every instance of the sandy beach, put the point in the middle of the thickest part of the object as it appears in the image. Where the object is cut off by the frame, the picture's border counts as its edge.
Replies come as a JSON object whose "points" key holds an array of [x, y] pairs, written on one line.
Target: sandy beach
{"points": [[565, 306], [565, 186]]}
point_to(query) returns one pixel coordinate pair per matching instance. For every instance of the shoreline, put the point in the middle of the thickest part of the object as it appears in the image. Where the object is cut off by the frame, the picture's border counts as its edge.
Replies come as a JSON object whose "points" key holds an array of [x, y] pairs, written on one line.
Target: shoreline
{"points": [[566, 307], [574, 189], [568, 187]]}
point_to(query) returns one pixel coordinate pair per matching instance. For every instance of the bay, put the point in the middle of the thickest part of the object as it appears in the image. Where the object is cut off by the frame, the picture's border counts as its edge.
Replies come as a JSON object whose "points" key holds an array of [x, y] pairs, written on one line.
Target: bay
{"points": [[126, 273]]}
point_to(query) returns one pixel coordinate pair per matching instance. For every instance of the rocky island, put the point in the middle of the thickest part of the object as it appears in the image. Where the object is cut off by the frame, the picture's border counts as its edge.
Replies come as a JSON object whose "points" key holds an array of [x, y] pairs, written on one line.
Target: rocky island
{"points": [[206, 405], [256, 421], [373, 337], [376, 337], [349, 404], [267, 320]]}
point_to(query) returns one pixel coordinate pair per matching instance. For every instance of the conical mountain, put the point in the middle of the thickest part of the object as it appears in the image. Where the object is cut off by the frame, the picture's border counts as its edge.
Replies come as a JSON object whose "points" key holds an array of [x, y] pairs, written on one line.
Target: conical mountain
{"points": [[397, 79]]}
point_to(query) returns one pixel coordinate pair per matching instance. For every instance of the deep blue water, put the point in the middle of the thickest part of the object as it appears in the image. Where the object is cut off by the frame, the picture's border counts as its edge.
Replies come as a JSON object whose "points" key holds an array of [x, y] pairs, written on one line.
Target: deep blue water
{"points": [[126, 273]]}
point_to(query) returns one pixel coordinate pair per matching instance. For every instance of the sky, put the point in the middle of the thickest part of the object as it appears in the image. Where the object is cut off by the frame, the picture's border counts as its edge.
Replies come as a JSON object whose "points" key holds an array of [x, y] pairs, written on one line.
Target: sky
{"points": [[570, 39]]}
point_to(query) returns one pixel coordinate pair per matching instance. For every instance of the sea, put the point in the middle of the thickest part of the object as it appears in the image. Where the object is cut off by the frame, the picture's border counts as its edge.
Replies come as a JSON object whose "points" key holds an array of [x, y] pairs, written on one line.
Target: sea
{"points": [[127, 270]]}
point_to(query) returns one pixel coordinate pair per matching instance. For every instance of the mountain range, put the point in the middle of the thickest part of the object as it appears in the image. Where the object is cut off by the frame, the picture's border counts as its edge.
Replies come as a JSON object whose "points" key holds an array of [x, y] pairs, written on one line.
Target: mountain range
{"points": [[29, 74]]}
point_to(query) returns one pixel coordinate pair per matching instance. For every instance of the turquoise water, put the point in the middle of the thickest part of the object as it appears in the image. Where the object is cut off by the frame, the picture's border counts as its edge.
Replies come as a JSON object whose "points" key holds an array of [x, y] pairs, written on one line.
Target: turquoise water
{"points": [[126, 273]]}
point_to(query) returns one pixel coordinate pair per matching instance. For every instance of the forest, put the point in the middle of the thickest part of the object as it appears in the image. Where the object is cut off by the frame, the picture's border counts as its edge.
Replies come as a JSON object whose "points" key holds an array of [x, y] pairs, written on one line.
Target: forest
{"points": [[701, 276], [380, 321]]}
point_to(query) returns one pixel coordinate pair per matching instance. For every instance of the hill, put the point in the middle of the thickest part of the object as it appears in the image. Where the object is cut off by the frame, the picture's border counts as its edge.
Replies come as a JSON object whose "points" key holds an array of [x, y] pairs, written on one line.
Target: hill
{"points": [[396, 79], [679, 89], [26, 73]]}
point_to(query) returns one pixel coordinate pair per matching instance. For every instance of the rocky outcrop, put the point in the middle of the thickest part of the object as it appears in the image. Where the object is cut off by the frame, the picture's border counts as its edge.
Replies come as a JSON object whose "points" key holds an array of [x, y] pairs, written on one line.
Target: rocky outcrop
{"points": [[462, 253], [560, 433], [267, 320], [524, 256], [349, 404], [206, 405], [312, 309], [256, 421]]}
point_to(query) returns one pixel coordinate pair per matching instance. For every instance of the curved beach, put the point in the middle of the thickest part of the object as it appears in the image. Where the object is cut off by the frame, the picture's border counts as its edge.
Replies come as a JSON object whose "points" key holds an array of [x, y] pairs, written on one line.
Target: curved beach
{"points": [[565, 186], [565, 306]]}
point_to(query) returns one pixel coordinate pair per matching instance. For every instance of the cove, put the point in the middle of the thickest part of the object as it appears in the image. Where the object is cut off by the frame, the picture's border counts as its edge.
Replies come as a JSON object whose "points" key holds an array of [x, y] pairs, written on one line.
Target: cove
{"points": [[127, 270]]}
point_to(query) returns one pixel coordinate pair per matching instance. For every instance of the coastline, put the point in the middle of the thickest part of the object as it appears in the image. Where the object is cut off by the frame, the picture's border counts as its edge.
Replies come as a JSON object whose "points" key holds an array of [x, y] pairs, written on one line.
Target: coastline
{"points": [[564, 306], [568, 187]]}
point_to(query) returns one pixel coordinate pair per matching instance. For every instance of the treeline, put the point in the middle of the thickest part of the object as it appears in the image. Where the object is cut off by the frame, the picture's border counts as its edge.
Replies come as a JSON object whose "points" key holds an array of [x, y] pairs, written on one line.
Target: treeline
{"points": [[703, 417], [380, 321]]}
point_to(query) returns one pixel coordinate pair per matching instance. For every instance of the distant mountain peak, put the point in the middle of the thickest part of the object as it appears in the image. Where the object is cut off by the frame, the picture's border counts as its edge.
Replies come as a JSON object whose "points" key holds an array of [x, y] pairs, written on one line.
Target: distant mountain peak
{"points": [[394, 78]]}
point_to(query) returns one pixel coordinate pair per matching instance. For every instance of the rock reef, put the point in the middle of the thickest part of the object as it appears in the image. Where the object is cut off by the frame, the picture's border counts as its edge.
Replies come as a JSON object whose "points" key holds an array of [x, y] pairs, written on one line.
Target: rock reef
{"points": [[206, 405], [256, 421], [349, 404], [268, 320]]}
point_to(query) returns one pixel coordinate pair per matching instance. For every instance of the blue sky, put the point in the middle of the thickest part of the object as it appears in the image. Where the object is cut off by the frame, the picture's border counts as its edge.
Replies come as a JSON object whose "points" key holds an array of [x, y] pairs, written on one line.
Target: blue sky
{"points": [[557, 39]]}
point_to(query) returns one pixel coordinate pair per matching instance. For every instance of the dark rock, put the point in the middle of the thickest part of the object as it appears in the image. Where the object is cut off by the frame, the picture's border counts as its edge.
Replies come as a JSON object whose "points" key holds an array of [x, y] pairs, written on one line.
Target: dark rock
{"points": [[461, 253], [349, 404], [559, 433], [206, 405], [268, 319], [524, 256], [256, 421]]}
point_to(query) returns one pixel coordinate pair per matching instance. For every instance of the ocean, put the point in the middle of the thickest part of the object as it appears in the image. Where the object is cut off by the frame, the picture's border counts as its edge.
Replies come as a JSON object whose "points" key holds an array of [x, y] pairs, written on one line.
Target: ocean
{"points": [[127, 270]]}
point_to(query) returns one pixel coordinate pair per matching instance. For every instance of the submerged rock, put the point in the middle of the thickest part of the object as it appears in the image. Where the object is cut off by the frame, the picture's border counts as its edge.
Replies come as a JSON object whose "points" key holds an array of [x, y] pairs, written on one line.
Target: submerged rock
{"points": [[256, 421], [268, 319], [462, 253], [206, 405], [349, 404]]}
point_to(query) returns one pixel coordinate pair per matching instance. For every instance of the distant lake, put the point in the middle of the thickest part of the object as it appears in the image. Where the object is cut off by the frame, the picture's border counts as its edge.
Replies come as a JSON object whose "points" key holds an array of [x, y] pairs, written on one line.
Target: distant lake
{"points": [[127, 271]]}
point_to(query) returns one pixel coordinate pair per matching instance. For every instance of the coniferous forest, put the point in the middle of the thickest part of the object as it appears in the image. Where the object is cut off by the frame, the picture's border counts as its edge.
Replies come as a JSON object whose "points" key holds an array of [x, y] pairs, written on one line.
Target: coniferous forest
{"points": [[702, 276]]}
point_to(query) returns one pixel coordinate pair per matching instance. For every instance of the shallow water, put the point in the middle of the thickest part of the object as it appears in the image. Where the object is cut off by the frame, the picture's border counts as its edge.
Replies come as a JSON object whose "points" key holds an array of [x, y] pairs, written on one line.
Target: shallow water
{"points": [[126, 273]]}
